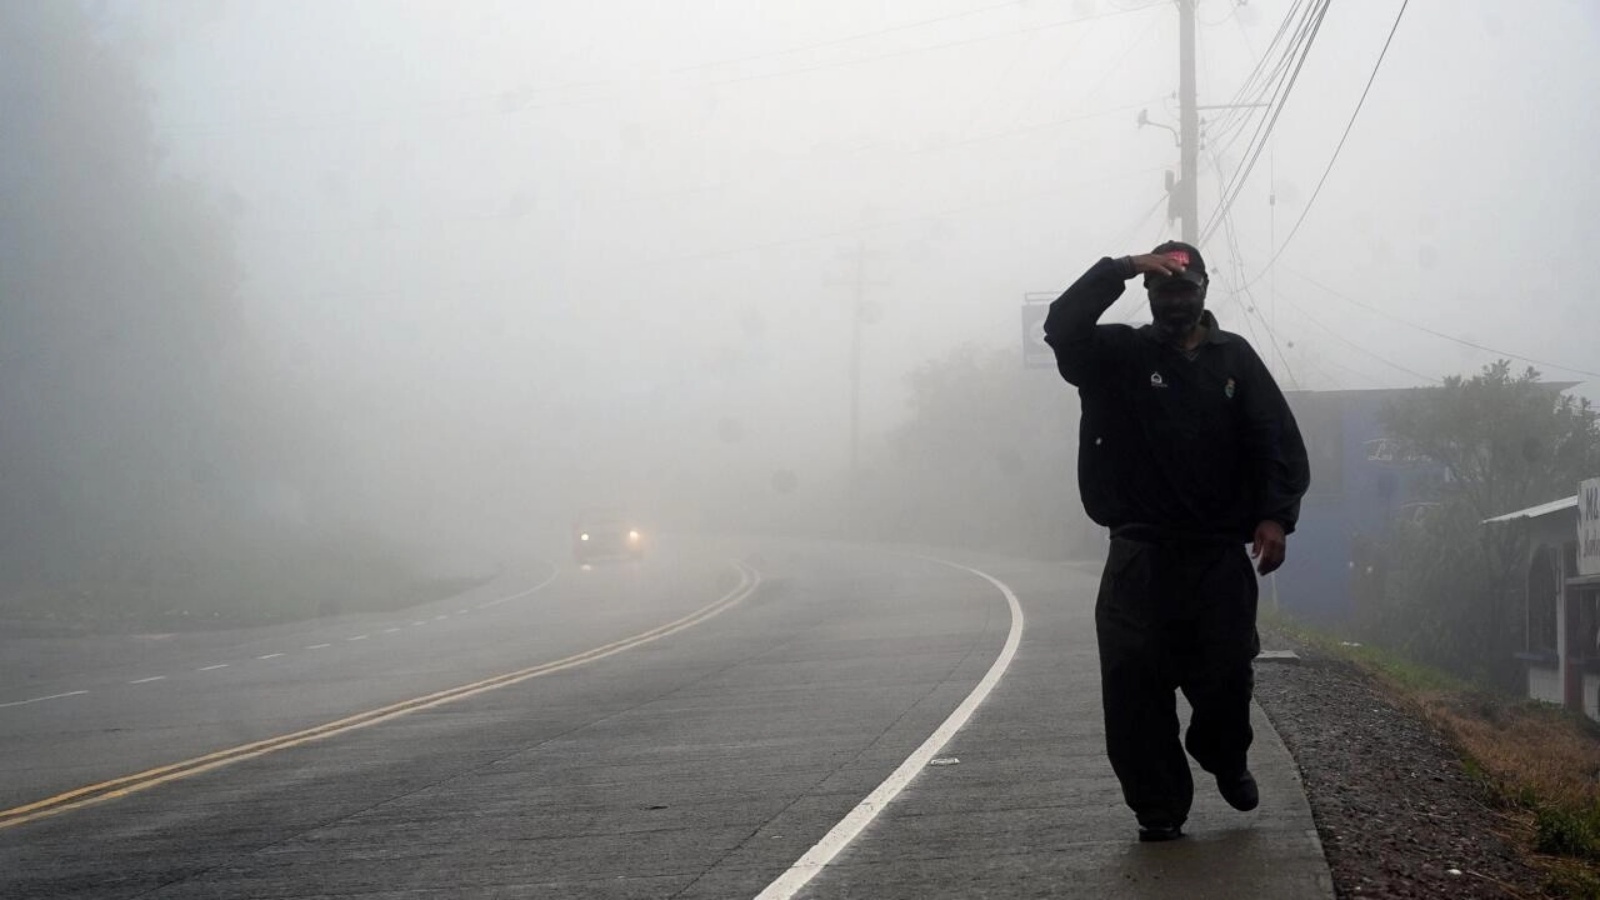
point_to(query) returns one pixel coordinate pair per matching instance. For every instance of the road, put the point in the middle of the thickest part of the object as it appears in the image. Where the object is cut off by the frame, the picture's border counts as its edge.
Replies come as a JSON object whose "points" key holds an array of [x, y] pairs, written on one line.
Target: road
{"points": [[723, 719]]}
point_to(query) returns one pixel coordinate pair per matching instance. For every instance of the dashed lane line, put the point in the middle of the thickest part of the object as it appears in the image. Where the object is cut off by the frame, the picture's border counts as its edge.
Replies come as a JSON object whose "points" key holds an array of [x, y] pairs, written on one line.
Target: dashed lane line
{"points": [[43, 699], [359, 637], [749, 580]]}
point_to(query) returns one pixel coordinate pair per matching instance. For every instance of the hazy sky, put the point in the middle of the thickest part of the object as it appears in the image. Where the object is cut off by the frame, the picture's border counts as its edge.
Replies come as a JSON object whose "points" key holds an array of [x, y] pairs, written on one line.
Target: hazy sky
{"points": [[525, 211]]}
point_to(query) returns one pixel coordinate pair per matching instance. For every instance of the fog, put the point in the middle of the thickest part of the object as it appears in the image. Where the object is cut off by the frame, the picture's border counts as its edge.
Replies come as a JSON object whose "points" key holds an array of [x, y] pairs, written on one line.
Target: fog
{"points": [[444, 273]]}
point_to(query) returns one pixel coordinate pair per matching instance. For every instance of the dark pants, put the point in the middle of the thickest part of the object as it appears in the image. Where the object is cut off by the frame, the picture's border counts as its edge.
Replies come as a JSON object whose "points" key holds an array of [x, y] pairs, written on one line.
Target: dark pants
{"points": [[1175, 616]]}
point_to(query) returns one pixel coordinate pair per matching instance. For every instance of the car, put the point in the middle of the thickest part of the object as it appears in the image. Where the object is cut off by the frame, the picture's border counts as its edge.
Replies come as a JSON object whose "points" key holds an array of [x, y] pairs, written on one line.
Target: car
{"points": [[606, 535]]}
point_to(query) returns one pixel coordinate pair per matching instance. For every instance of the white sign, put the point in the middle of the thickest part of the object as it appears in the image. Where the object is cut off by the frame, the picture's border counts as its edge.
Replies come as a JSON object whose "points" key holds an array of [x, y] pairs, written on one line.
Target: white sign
{"points": [[1036, 354], [1589, 527]]}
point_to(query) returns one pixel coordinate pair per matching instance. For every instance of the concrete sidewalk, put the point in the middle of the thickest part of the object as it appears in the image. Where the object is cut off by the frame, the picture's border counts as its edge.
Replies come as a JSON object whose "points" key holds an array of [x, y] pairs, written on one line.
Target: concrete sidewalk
{"points": [[1032, 808]]}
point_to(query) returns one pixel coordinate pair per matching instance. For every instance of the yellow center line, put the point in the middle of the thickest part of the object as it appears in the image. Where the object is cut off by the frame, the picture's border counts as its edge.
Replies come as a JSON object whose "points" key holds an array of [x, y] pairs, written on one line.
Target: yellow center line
{"points": [[127, 784]]}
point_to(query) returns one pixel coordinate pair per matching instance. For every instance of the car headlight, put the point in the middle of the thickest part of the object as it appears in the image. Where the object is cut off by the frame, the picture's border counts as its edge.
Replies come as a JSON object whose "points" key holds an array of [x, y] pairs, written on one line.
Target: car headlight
{"points": [[633, 535], [583, 537]]}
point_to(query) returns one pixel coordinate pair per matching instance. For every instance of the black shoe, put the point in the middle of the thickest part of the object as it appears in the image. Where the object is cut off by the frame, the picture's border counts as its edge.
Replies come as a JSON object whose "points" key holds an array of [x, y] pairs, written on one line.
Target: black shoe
{"points": [[1153, 833], [1240, 791]]}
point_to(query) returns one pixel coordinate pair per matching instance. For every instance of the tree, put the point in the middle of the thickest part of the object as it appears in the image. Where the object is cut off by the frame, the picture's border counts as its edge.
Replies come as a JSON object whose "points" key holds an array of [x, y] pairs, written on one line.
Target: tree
{"points": [[1507, 442], [141, 428], [986, 459], [115, 284]]}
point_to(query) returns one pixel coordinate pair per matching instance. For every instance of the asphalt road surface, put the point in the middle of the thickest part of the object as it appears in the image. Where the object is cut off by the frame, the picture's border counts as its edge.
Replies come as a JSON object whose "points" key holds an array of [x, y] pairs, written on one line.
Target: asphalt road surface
{"points": [[720, 720]]}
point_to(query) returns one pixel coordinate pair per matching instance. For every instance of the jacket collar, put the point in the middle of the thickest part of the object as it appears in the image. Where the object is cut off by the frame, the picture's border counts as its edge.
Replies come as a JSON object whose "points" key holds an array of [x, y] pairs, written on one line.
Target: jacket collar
{"points": [[1214, 332]]}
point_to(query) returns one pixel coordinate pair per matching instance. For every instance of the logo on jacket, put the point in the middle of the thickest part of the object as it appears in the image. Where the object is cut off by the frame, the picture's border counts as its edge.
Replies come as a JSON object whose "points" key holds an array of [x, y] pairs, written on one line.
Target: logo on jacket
{"points": [[1228, 388], [1156, 380]]}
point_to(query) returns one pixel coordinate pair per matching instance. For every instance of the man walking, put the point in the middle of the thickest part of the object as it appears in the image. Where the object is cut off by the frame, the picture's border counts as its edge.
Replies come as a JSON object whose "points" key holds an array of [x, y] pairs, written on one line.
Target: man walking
{"points": [[1187, 451]]}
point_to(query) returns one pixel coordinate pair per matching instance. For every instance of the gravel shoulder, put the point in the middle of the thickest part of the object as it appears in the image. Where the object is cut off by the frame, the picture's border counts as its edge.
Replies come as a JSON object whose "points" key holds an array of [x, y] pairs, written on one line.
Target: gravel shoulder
{"points": [[1397, 812]]}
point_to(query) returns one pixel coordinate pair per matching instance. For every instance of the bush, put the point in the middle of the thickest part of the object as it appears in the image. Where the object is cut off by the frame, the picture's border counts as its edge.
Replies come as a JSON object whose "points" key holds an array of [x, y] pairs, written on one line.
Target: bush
{"points": [[1565, 832]]}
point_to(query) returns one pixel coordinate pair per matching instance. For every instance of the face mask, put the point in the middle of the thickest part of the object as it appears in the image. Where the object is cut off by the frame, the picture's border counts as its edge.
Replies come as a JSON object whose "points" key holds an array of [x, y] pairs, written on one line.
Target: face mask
{"points": [[1176, 313]]}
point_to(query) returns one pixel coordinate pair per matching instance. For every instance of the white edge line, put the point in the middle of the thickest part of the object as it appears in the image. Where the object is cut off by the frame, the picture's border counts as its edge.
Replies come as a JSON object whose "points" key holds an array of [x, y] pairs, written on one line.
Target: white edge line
{"points": [[42, 699], [850, 827], [211, 668], [318, 646], [150, 679], [359, 637], [270, 656]]}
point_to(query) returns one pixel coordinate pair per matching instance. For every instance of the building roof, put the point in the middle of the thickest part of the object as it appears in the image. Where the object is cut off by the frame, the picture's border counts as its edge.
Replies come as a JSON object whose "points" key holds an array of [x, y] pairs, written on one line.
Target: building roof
{"points": [[1386, 393], [1537, 512]]}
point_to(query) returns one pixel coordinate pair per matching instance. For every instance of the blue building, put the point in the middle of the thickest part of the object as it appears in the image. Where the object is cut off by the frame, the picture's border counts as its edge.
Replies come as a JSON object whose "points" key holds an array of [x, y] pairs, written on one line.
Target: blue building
{"points": [[1361, 483]]}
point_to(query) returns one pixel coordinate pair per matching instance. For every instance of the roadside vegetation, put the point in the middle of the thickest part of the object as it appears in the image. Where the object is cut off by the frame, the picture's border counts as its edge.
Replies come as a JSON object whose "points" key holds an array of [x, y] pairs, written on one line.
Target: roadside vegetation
{"points": [[163, 465], [1452, 591], [1538, 764], [260, 583]]}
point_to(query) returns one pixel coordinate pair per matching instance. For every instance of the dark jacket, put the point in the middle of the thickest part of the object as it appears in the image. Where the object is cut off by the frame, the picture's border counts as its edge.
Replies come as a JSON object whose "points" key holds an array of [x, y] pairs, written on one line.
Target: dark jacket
{"points": [[1204, 448]]}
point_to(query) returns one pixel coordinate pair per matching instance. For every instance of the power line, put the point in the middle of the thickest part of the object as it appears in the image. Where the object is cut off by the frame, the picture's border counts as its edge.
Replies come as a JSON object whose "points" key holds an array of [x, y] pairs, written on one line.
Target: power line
{"points": [[1274, 93], [1335, 157], [1144, 219], [1259, 142], [1241, 107], [1233, 242], [1367, 377], [1357, 347], [1244, 307], [1216, 162], [1252, 305], [1232, 14], [1439, 334], [1237, 107]]}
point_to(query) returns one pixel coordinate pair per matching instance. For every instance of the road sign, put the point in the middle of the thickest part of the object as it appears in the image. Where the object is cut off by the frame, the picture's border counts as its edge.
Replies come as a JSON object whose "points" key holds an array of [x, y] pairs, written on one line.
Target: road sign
{"points": [[1036, 354]]}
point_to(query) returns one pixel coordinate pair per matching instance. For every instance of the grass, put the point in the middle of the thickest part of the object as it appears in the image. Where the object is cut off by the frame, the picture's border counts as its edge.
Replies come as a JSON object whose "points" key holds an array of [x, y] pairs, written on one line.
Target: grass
{"points": [[1539, 763]]}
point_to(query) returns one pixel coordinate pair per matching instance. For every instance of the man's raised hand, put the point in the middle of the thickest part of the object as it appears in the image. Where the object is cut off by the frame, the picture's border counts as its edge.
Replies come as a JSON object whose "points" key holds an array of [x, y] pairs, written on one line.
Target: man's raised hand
{"points": [[1155, 264]]}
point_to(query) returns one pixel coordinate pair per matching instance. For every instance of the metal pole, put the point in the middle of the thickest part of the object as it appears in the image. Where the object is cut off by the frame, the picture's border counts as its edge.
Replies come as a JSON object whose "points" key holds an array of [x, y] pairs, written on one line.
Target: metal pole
{"points": [[1188, 126], [855, 365]]}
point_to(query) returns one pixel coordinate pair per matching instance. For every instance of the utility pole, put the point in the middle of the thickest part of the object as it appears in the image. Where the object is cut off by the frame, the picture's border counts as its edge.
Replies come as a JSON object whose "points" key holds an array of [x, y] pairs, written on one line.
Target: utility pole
{"points": [[860, 314], [855, 363], [1184, 193], [1187, 201]]}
